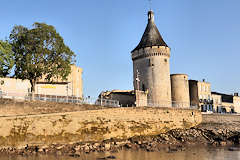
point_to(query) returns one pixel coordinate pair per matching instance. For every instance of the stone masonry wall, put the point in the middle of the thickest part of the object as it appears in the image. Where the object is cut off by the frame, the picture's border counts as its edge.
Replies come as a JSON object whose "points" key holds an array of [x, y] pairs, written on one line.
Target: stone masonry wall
{"points": [[10, 107], [180, 90], [221, 118], [93, 125], [151, 66]]}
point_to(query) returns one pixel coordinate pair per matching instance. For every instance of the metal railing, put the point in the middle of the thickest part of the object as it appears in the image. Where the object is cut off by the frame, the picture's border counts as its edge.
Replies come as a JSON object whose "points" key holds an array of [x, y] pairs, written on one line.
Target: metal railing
{"points": [[55, 98], [92, 101], [58, 98], [147, 103], [107, 102], [41, 97]]}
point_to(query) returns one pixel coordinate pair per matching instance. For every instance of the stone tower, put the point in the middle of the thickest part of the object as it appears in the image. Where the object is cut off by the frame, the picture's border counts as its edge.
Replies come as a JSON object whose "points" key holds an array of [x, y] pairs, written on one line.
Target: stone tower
{"points": [[151, 66], [180, 91]]}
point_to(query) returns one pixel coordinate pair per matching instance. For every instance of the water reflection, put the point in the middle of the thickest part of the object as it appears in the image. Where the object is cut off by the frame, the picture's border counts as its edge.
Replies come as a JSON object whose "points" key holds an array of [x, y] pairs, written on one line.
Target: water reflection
{"points": [[200, 153]]}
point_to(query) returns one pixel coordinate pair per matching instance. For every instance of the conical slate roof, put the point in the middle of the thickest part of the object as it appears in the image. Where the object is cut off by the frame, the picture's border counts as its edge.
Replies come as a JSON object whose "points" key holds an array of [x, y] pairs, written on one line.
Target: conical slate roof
{"points": [[151, 36]]}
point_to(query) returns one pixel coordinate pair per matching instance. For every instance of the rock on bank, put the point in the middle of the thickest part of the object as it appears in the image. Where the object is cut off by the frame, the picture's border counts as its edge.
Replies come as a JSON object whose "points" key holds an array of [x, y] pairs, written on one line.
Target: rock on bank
{"points": [[93, 125]]}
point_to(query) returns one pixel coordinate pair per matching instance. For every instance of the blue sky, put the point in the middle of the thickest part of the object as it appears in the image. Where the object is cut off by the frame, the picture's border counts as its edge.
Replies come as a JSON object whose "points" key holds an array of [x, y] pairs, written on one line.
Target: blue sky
{"points": [[204, 36]]}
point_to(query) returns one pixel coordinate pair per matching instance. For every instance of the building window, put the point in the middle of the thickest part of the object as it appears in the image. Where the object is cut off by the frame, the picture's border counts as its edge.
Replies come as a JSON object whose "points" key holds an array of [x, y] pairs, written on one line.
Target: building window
{"points": [[204, 97]]}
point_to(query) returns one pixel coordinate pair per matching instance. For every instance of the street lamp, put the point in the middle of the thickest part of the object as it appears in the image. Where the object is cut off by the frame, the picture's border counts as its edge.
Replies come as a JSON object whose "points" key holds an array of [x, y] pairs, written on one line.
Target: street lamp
{"points": [[138, 80], [138, 83]]}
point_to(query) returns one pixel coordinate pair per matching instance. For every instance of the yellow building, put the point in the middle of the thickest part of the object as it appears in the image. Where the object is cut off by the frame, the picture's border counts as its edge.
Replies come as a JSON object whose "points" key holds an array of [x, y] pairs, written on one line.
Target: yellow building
{"points": [[217, 102], [70, 87], [200, 95], [12, 87], [227, 107], [236, 102], [225, 103]]}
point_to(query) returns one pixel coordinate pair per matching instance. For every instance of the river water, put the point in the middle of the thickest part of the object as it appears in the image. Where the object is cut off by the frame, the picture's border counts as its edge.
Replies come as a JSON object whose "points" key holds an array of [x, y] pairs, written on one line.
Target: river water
{"points": [[200, 153]]}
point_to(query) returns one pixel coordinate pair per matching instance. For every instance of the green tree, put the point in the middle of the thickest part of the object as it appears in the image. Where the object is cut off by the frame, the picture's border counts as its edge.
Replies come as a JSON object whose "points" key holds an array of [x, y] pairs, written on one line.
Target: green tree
{"points": [[40, 52], [6, 58]]}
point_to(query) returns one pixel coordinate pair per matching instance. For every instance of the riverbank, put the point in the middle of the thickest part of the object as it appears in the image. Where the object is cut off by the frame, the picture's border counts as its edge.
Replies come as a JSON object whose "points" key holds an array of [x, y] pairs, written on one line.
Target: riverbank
{"points": [[93, 125], [193, 153], [40, 129], [209, 133]]}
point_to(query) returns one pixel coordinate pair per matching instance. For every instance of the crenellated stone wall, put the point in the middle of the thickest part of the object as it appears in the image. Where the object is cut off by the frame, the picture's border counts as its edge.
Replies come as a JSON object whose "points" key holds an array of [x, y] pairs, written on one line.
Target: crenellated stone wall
{"points": [[93, 125]]}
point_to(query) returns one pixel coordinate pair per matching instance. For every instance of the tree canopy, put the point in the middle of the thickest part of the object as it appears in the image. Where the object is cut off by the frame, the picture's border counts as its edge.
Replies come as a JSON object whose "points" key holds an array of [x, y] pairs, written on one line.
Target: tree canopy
{"points": [[6, 58], [40, 52]]}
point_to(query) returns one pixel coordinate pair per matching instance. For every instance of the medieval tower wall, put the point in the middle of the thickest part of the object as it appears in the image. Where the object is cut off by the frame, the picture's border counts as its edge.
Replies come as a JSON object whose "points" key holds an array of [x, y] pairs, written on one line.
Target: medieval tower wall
{"points": [[151, 71], [151, 66], [180, 90]]}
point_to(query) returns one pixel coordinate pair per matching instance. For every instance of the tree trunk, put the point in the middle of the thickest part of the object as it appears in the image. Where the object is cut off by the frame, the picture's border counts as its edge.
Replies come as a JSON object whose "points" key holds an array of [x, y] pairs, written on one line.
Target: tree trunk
{"points": [[33, 83]]}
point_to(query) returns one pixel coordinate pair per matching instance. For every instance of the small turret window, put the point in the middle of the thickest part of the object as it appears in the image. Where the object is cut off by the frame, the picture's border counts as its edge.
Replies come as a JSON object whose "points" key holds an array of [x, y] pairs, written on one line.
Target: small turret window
{"points": [[150, 63], [165, 60], [143, 87]]}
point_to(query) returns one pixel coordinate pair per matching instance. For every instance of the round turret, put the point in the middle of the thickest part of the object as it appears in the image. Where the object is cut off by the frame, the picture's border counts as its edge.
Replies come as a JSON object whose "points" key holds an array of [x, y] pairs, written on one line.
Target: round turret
{"points": [[151, 66], [180, 91]]}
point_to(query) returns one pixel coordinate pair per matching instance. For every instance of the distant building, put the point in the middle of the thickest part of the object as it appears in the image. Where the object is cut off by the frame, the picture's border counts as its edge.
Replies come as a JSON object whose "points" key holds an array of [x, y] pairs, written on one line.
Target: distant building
{"points": [[217, 102], [126, 98], [12, 87], [236, 102], [70, 87], [200, 95], [224, 103]]}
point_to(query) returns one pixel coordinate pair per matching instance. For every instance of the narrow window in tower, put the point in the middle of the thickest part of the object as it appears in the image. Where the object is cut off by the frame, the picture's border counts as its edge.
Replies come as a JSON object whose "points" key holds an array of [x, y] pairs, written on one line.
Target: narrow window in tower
{"points": [[143, 87], [165, 60], [150, 63]]}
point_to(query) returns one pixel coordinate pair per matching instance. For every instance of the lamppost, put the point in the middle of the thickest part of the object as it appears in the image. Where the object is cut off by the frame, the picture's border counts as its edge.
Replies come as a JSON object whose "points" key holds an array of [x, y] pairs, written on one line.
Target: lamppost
{"points": [[138, 80], [101, 99], [138, 87]]}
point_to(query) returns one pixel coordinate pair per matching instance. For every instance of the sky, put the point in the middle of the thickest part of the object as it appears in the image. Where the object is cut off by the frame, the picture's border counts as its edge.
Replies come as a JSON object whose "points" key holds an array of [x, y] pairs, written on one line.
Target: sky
{"points": [[204, 36]]}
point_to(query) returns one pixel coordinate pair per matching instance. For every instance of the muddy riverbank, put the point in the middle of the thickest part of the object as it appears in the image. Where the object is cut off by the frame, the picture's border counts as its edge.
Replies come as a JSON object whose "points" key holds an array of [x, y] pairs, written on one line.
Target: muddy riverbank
{"points": [[215, 130], [172, 141], [192, 153]]}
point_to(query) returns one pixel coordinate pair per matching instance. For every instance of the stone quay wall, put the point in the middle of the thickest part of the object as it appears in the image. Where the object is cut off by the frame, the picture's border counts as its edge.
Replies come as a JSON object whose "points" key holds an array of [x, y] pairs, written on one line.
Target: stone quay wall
{"points": [[229, 120], [93, 125], [9, 107]]}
